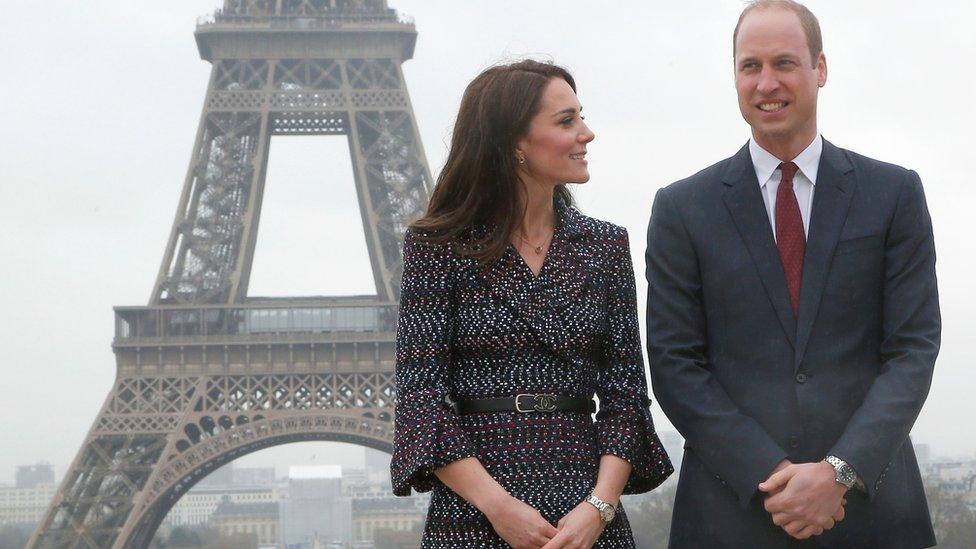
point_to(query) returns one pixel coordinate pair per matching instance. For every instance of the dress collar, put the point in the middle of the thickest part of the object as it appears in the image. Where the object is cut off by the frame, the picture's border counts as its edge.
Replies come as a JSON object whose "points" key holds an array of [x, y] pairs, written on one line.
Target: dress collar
{"points": [[569, 221]]}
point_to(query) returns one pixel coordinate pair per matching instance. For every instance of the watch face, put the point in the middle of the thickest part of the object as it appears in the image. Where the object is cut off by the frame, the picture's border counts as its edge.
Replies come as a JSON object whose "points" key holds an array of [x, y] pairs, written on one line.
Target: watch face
{"points": [[843, 472], [607, 514], [847, 479]]}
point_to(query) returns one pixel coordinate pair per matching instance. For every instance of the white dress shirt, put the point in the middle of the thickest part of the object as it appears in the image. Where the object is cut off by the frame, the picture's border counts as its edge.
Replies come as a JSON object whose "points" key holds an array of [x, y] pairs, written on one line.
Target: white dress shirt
{"points": [[769, 175]]}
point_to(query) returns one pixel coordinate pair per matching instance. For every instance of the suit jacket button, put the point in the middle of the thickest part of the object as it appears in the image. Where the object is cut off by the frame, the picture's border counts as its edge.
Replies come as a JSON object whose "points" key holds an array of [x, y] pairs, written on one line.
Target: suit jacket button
{"points": [[794, 442], [802, 378]]}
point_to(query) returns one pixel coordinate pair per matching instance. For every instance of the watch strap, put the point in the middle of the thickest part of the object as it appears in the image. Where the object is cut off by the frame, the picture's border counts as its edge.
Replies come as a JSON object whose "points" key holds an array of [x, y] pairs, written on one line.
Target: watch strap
{"points": [[607, 510]]}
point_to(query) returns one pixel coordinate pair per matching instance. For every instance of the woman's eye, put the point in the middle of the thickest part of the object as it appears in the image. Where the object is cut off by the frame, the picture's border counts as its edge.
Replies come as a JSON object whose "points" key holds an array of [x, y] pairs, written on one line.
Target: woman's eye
{"points": [[566, 121]]}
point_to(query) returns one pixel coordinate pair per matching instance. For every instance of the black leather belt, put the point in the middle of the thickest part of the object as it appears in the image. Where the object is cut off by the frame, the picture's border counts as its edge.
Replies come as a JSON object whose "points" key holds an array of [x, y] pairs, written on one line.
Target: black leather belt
{"points": [[526, 403]]}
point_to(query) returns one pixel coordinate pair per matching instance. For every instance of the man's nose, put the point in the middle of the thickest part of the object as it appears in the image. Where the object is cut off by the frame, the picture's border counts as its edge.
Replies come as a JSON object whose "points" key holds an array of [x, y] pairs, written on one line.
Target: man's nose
{"points": [[768, 82]]}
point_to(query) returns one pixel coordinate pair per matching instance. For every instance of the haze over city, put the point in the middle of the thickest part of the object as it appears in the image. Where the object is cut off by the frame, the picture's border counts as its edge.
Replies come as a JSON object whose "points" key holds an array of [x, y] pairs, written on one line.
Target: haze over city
{"points": [[102, 103]]}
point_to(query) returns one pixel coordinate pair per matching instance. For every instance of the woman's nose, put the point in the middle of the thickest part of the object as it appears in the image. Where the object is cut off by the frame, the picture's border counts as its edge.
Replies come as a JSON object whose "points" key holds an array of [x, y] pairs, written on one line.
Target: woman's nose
{"points": [[587, 134]]}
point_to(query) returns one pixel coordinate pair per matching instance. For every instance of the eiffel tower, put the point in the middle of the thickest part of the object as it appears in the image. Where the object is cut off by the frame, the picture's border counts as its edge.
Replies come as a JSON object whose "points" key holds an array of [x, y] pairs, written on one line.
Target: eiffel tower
{"points": [[204, 373]]}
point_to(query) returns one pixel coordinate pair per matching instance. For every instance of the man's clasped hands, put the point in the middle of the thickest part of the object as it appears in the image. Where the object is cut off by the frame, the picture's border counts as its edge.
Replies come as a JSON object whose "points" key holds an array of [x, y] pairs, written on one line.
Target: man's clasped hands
{"points": [[804, 499]]}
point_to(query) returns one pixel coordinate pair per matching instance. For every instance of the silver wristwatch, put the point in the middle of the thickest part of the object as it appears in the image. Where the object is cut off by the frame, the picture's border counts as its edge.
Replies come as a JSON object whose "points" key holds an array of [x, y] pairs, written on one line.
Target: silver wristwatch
{"points": [[843, 472], [607, 511]]}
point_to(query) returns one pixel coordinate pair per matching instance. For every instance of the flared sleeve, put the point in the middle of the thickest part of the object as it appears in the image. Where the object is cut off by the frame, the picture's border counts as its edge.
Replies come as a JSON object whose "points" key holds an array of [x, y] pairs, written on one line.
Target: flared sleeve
{"points": [[427, 434], [624, 424]]}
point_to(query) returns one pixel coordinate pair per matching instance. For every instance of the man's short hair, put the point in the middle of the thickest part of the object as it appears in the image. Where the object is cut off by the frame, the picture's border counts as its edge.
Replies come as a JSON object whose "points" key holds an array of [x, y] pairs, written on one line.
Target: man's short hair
{"points": [[808, 21]]}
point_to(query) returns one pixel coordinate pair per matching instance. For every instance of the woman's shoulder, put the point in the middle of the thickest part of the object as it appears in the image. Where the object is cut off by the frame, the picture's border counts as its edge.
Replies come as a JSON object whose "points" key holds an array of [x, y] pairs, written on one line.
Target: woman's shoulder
{"points": [[430, 244], [439, 250], [439, 239], [426, 237], [596, 229]]}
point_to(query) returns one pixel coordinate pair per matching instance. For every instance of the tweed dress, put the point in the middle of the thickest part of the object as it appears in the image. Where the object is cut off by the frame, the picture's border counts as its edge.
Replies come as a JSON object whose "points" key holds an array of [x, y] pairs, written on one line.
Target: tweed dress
{"points": [[469, 332]]}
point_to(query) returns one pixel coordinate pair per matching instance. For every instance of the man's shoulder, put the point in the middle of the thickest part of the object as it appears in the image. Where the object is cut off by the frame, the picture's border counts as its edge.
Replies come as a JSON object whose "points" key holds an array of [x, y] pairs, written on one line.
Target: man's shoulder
{"points": [[868, 165], [701, 182], [881, 178]]}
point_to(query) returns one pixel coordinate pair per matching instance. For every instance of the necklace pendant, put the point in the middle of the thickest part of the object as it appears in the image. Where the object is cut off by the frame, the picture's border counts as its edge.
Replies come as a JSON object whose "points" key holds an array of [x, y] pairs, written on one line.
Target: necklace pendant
{"points": [[538, 250]]}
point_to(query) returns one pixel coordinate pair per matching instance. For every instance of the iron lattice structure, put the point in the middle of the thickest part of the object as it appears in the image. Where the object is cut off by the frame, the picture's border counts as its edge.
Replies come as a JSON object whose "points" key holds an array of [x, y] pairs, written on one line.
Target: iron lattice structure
{"points": [[206, 374]]}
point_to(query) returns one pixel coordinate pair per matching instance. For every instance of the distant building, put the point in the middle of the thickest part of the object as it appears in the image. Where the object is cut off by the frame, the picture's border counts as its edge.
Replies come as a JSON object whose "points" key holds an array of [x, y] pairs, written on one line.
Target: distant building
{"points": [[223, 476], [366, 490], [377, 465], [922, 452], [372, 516], [254, 476], [354, 477], [955, 477], [357, 487], [29, 476], [259, 520], [380, 519], [198, 505], [315, 513], [25, 505]]}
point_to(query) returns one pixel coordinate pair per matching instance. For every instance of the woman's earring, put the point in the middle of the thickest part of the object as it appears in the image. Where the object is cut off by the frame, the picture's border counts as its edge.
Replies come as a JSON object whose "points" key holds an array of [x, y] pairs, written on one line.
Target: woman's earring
{"points": [[520, 158]]}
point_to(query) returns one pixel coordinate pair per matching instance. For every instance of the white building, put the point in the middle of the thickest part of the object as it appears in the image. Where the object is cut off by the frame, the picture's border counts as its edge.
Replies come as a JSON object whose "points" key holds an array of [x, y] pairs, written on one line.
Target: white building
{"points": [[315, 513], [25, 505], [199, 504]]}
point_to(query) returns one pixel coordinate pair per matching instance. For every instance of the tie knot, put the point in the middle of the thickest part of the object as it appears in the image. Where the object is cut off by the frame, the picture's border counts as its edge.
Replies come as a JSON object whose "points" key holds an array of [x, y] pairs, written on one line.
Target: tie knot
{"points": [[789, 169]]}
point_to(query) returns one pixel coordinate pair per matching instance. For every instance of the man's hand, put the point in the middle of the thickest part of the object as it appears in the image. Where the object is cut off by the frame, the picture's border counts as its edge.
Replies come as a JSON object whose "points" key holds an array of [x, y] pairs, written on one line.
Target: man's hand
{"points": [[804, 499], [520, 524], [779, 467], [579, 529]]}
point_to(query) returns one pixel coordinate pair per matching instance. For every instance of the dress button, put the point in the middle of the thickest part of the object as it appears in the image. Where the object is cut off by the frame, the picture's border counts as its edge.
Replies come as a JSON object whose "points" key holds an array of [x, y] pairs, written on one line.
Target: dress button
{"points": [[794, 442], [802, 378]]}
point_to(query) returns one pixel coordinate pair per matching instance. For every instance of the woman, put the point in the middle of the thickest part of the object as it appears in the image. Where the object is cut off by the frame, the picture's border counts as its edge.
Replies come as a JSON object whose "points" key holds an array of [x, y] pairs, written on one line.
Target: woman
{"points": [[515, 309]]}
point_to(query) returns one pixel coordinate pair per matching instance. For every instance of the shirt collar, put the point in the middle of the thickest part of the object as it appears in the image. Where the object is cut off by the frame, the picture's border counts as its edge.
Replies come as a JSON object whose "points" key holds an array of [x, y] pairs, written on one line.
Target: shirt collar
{"points": [[765, 163]]}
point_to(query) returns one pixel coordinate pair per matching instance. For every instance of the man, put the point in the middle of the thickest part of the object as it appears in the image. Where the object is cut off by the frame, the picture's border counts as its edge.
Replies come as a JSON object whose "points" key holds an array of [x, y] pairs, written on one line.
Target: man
{"points": [[793, 320]]}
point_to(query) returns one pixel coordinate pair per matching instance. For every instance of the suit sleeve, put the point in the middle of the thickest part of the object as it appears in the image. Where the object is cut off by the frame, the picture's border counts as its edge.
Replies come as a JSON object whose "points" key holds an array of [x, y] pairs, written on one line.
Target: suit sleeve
{"points": [[427, 434], [911, 330], [624, 424], [730, 444]]}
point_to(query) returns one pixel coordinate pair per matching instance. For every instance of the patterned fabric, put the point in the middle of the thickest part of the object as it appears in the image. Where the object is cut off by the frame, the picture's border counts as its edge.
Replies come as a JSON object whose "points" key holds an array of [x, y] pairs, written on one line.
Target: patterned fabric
{"points": [[790, 238], [469, 332]]}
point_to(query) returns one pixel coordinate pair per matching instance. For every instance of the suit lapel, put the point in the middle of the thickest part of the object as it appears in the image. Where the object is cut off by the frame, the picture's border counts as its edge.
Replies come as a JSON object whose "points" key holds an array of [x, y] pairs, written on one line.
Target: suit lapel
{"points": [[745, 203], [831, 202]]}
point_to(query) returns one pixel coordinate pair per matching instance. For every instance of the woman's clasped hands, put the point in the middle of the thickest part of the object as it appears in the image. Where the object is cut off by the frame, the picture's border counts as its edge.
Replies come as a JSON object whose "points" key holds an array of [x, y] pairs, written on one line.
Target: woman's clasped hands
{"points": [[522, 526]]}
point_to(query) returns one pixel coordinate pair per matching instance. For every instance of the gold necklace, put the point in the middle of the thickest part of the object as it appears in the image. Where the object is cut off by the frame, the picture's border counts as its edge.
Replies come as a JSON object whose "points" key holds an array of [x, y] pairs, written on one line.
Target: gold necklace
{"points": [[536, 249]]}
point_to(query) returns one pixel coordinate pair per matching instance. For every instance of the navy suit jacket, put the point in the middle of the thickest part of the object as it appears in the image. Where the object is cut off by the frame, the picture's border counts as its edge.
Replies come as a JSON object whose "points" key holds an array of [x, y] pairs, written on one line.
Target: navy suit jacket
{"points": [[748, 383]]}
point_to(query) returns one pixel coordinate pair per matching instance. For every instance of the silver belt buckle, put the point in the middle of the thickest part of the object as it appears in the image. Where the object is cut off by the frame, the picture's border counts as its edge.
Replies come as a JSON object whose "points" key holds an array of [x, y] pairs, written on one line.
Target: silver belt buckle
{"points": [[540, 403]]}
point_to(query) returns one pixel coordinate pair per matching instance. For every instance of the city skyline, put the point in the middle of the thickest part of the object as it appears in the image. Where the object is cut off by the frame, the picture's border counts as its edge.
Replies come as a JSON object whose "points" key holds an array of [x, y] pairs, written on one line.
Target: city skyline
{"points": [[95, 198]]}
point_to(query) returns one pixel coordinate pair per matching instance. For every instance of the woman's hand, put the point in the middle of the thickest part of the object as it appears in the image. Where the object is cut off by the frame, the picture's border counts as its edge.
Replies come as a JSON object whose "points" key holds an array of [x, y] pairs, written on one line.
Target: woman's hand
{"points": [[520, 524], [579, 529]]}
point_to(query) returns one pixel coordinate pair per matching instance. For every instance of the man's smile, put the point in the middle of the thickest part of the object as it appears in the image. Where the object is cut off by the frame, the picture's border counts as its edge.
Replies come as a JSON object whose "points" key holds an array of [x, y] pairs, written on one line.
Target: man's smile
{"points": [[772, 106]]}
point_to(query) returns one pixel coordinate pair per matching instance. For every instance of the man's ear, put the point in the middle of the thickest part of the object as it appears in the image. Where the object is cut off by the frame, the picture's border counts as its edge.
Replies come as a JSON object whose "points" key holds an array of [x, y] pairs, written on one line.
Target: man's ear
{"points": [[821, 70]]}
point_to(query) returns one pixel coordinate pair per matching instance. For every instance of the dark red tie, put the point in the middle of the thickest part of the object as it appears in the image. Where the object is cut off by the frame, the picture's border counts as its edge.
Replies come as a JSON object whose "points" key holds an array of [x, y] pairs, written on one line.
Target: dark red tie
{"points": [[790, 239]]}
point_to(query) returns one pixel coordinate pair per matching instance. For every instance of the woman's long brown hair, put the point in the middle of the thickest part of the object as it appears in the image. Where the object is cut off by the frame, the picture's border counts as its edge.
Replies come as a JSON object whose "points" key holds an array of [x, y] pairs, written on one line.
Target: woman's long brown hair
{"points": [[479, 184]]}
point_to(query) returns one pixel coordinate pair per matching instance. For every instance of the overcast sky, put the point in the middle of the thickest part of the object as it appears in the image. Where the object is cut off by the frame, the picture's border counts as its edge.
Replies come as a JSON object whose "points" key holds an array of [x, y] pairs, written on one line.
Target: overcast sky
{"points": [[100, 104]]}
